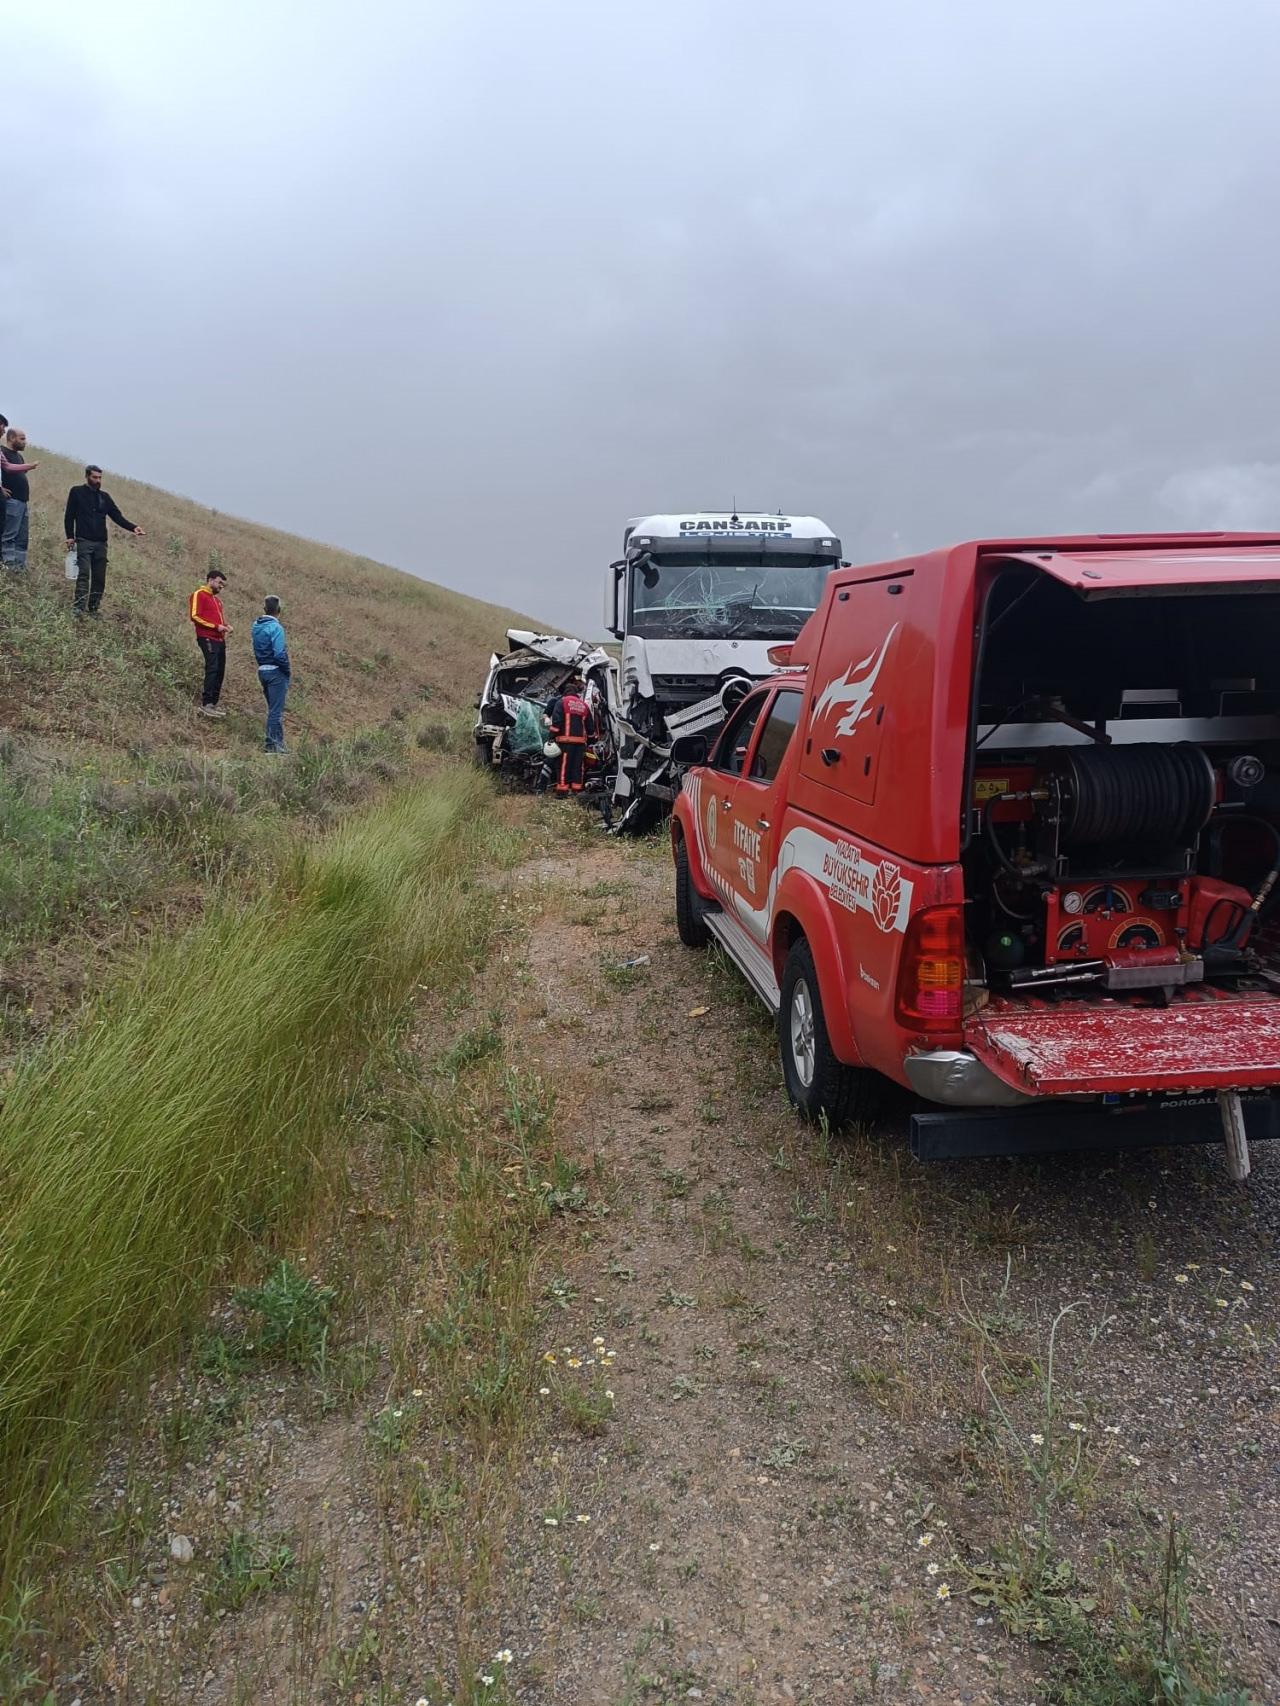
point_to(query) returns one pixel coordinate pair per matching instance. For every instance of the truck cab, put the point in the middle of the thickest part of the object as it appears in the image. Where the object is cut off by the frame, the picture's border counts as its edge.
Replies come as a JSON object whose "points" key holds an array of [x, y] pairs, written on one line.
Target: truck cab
{"points": [[697, 600], [1005, 832]]}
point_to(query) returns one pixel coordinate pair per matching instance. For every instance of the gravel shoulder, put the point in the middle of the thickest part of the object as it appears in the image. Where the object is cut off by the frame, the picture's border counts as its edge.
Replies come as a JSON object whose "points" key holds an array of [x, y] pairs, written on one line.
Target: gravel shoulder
{"points": [[833, 1401]]}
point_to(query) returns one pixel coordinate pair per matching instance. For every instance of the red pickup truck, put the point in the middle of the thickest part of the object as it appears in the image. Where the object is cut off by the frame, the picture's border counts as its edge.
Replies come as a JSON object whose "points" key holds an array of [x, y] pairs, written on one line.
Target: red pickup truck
{"points": [[1005, 830]]}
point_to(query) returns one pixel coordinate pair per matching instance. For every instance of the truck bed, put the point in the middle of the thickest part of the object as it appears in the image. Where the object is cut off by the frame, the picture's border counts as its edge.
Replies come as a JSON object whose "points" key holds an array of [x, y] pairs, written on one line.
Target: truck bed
{"points": [[1206, 1039]]}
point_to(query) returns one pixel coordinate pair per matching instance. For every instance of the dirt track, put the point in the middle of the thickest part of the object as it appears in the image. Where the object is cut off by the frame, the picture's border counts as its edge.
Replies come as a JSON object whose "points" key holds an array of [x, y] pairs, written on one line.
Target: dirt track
{"points": [[830, 1374]]}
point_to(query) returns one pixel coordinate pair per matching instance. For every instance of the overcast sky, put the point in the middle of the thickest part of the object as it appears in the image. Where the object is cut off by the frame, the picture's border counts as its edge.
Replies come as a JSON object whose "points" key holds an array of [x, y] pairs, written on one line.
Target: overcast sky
{"points": [[461, 284]]}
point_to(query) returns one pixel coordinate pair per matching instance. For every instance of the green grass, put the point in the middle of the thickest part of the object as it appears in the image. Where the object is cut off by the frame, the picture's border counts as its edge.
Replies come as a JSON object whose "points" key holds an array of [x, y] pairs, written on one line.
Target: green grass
{"points": [[95, 841], [293, 1314], [62, 858], [187, 1117], [248, 1566]]}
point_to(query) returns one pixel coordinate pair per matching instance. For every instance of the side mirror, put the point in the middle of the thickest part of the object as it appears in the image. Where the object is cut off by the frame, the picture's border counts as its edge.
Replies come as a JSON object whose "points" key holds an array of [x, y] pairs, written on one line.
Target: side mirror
{"points": [[613, 598], [689, 749]]}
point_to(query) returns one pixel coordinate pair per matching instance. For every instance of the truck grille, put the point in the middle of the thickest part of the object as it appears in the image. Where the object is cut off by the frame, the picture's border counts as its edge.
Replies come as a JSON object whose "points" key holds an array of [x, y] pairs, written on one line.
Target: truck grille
{"points": [[684, 689]]}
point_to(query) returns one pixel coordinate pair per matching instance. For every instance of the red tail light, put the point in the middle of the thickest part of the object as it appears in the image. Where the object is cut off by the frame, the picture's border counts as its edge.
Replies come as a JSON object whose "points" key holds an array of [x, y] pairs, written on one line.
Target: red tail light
{"points": [[931, 976]]}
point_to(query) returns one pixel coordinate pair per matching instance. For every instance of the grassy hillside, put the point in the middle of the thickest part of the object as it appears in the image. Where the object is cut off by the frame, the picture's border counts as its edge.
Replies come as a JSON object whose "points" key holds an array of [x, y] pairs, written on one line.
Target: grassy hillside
{"points": [[121, 809], [366, 640]]}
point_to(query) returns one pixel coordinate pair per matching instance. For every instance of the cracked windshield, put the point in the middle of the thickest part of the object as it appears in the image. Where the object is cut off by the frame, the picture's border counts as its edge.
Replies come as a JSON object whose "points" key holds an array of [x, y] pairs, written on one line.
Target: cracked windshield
{"points": [[747, 600]]}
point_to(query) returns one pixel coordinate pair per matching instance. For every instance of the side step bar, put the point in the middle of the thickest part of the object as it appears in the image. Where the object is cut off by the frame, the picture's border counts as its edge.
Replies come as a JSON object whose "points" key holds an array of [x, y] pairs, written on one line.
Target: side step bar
{"points": [[950, 1134], [750, 959]]}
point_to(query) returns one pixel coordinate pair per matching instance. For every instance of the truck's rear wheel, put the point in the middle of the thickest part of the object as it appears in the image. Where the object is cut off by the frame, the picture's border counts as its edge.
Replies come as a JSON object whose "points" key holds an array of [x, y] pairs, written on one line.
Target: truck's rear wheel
{"points": [[817, 1082], [690, 925]]}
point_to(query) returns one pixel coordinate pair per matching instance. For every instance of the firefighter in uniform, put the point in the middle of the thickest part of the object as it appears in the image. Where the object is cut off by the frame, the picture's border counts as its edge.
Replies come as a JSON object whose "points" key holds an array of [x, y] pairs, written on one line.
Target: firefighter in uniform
{"points": [[572, 725]]}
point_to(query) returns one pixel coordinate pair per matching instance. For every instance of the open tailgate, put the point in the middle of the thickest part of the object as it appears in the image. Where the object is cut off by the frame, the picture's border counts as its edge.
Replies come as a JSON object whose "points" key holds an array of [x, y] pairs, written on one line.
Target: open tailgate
{"points": [[1133, 573], [1204, 1041]]}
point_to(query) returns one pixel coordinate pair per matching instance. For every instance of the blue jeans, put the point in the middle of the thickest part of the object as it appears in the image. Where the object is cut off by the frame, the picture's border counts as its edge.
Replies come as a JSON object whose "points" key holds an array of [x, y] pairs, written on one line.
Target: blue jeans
{"points": [[275, 686], [13, 542]]}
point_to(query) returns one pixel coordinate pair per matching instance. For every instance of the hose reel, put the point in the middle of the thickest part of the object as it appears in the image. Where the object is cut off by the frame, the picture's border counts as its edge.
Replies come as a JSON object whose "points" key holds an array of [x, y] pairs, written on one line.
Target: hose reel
{"points": [[1149, 796]]}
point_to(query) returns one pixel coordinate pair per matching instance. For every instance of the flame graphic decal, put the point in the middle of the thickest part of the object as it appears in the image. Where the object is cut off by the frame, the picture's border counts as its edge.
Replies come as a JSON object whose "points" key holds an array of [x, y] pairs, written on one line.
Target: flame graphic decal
{"points": [[853, 689]]}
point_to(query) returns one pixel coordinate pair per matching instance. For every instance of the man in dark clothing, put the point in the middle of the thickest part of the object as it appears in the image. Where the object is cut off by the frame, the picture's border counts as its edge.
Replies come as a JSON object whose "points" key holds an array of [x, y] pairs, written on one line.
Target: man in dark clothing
{"points": [[14, 469], [13, 472], [85, 525], [572, 726]]}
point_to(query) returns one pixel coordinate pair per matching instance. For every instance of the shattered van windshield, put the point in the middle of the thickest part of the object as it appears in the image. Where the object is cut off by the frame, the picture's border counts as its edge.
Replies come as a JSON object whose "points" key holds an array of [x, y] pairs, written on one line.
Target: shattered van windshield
{"points": [[748, 601]]}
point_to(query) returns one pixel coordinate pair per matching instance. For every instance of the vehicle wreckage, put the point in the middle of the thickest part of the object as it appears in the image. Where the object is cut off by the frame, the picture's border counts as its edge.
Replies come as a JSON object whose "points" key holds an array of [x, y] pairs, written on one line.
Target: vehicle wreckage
{"points": [[510, 734]]}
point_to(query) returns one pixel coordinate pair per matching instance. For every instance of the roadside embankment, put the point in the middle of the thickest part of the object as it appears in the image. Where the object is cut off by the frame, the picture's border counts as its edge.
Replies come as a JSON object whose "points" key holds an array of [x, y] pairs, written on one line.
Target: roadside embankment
{"points": [[192, 1109]]}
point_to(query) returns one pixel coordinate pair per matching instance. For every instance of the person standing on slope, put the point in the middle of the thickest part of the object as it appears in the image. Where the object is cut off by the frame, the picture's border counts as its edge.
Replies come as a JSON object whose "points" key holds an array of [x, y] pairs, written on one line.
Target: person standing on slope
{"points": [[271, 654], [572, 725], [85, 525], [211, 636], [14, 469]]}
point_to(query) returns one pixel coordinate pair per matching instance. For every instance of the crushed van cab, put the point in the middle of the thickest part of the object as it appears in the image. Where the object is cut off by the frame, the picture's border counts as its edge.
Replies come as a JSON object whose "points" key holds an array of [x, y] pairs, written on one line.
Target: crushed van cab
{"points": [[1005, 830]]}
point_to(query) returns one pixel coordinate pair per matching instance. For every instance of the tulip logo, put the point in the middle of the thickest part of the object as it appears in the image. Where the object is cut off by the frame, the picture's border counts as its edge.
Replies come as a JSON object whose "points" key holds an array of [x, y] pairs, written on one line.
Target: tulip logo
{"points": [[886, 896]]}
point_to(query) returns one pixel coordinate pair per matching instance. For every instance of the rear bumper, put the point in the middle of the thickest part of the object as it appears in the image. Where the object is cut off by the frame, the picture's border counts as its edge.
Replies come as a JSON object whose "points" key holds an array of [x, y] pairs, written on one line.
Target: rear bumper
{"points": [[959, 1079], [1062, 1127], [980, 1114]]}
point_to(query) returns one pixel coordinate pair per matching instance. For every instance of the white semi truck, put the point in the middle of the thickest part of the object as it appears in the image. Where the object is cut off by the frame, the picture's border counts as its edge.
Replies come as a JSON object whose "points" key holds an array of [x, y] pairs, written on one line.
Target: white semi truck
{"points": [[697, 600]]}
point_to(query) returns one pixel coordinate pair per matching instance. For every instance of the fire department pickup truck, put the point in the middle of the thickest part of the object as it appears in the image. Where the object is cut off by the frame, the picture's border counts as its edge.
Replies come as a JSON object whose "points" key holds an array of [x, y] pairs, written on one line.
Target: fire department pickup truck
{"points": [[1005, 830]]}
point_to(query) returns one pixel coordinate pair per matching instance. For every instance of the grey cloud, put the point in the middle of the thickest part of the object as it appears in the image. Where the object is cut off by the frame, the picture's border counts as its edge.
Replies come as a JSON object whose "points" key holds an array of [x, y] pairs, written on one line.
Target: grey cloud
{"points": [[1244, 496], [463, 286]]}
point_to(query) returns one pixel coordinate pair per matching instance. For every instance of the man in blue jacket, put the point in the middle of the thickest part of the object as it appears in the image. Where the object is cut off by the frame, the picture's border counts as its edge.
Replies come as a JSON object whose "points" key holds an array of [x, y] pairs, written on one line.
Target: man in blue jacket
{"points": [[271, 655]]}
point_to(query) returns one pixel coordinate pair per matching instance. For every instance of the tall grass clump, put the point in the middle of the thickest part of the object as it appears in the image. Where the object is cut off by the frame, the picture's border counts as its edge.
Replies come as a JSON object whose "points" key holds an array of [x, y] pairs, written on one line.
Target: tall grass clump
{"points": [[191, 1111]]}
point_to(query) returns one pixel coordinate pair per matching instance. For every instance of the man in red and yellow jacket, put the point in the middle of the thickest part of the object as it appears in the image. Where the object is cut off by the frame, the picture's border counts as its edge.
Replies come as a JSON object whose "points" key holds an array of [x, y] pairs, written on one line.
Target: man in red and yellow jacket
{"points": [[211, 637]]}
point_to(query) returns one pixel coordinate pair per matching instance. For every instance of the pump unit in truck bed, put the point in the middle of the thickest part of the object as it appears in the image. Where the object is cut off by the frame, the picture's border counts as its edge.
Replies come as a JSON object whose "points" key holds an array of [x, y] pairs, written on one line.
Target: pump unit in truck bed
{"points": [[1006, 831]]}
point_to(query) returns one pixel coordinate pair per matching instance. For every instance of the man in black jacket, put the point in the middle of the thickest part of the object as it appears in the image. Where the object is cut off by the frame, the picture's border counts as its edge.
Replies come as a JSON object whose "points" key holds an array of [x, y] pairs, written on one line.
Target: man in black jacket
{"points": [[85, 525]]}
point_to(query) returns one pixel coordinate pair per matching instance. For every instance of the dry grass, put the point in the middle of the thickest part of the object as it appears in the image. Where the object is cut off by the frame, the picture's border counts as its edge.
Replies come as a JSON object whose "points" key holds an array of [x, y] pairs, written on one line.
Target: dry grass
{"points": [[366, 639], [121, 811]]}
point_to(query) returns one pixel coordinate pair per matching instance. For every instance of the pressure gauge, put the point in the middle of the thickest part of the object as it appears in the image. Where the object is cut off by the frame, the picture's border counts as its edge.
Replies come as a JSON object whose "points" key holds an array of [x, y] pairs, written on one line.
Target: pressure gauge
{"points": [[1072, 902]]}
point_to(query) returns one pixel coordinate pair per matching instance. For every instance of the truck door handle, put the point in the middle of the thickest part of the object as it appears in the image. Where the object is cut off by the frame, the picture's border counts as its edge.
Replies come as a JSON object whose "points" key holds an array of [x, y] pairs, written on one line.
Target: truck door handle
{"points": [[762, 823], [726, 804], [830, 755]]}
